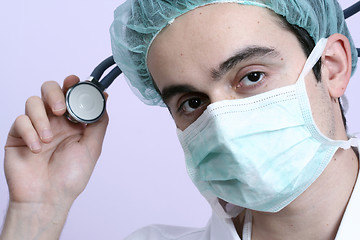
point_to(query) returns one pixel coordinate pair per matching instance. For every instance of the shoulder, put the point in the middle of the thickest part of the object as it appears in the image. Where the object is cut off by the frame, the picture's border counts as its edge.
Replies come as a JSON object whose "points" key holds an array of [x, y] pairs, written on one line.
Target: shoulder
{"points": [[165, 232]]}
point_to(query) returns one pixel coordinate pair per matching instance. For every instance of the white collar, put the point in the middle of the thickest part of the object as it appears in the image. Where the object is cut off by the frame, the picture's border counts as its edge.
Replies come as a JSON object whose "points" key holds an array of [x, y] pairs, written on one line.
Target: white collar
{"points": [[349, 227]]}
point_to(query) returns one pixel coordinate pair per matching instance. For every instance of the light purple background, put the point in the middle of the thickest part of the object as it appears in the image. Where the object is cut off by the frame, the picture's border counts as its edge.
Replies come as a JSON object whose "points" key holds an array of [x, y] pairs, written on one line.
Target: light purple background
{"points": [[140, 178]]}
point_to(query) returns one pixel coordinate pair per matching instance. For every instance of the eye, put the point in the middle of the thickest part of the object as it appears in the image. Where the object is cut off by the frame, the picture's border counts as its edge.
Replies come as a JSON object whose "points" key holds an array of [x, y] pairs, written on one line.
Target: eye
{"points": [[251, 79], [193, 105]]}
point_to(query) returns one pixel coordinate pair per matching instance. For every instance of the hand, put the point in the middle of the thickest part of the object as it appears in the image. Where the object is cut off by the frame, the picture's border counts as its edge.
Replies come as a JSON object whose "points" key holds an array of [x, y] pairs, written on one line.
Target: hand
{"points": [[48, 159]]}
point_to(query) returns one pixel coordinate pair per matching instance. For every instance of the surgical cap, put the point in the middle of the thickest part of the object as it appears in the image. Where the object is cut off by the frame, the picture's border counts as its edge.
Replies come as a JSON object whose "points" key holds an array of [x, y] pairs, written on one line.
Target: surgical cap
{"points": [[138, 22]]}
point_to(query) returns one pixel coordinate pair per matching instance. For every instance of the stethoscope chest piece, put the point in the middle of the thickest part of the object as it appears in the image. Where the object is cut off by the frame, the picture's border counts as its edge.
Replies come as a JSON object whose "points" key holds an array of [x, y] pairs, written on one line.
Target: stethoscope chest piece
{"points": [[85, 103]]}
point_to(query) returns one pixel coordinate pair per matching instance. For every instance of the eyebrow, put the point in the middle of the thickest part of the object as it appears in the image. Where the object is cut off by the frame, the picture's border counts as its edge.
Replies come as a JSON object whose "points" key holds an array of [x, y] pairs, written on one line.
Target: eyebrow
{"points": [[171, 91], [246, 54]]}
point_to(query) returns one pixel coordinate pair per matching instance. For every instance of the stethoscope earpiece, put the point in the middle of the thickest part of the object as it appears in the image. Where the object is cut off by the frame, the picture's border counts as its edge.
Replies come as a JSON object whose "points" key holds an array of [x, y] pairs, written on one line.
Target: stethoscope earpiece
{"points": [[85, 101]]}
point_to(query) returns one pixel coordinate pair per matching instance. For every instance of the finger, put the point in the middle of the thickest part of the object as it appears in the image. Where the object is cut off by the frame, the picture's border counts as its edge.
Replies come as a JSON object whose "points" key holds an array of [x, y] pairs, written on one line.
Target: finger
{"points": [[94, 135], [35, 110], [23, 128], [53, 96], [106, 95], [69, 82]]}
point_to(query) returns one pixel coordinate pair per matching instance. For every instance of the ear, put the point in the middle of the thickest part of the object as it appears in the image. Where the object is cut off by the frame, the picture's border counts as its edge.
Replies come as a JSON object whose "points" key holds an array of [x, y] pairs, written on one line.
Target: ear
{"points": [[336, 64]]}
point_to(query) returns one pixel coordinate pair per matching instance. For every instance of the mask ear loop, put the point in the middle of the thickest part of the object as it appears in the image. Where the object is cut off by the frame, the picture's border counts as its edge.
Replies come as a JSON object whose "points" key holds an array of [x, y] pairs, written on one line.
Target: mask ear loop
{"points": [[350, 11], [314, 56]]}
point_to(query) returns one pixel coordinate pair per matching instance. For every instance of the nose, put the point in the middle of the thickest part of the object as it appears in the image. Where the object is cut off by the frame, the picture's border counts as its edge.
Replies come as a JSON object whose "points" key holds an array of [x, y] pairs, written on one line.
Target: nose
{"points": [[220, 93]]}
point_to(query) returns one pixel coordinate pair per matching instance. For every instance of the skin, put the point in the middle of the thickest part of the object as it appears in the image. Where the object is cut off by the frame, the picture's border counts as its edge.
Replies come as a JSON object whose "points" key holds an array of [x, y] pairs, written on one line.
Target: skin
{"points": [[185, 59], [48, 163], [44, 176]]}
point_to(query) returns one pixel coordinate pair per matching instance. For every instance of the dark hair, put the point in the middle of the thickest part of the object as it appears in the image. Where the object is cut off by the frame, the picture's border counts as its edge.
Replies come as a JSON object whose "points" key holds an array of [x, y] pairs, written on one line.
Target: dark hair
{"points": [[308, 44]]}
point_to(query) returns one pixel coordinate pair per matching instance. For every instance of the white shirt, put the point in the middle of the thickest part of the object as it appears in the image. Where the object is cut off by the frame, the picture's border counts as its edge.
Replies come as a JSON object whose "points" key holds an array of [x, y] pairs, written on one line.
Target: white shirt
{"points": [[224, 229]]}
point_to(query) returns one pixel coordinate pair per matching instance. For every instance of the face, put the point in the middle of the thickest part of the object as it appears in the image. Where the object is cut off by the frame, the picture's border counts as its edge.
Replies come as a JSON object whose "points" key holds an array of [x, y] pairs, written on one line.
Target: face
{"points": [[219, 52]]}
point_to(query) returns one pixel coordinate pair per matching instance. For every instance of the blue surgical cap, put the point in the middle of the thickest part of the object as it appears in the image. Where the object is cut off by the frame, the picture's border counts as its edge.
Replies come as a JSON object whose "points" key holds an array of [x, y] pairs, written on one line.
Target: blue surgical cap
{"points": [[137, 23]]}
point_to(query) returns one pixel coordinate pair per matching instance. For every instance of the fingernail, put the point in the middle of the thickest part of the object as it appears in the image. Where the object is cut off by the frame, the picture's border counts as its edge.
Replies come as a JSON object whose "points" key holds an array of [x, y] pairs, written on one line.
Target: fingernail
{"points": [[35, 146], [59, 106], [46, 134]]}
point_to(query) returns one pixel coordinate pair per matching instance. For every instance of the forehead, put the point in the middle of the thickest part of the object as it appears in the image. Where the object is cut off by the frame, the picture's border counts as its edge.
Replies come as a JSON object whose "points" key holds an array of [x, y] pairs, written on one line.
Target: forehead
{"points": [[199, 39]]}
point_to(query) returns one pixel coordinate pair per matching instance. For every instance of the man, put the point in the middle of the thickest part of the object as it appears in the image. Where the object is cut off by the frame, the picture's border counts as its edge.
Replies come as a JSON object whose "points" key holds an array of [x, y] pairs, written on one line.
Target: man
{"points": [[240, 57]]}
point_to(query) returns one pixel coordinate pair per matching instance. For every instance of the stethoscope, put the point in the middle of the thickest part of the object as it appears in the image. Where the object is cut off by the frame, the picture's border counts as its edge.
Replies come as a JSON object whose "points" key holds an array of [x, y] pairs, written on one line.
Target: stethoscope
{"points": [[85, 101]]}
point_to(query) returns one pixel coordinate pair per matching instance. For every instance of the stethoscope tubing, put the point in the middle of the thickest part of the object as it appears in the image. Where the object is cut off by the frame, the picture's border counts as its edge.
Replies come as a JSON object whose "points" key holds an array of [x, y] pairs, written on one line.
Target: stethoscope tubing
{"points": [[110, 77], [350, 11]]}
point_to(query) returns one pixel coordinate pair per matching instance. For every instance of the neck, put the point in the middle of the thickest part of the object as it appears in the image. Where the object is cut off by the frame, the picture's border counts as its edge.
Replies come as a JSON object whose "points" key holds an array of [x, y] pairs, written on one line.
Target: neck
{"points": [[317, 213]]}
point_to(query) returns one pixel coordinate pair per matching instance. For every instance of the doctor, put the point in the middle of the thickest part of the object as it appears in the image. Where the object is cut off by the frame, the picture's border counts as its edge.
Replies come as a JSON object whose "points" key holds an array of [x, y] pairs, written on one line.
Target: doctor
{"points": [[255, 98]]}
